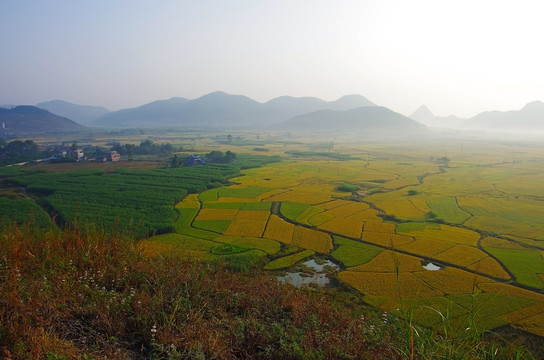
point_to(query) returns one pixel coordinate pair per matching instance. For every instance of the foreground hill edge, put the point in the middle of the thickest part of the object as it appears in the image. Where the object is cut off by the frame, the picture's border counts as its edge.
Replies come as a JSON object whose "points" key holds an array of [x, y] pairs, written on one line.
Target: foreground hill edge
{"points": [[76, 293]]}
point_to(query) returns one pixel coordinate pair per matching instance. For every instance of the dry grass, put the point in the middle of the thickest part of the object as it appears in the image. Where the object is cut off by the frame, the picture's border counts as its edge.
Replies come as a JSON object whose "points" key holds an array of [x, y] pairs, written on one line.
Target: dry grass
{"points": [[77, 295]]}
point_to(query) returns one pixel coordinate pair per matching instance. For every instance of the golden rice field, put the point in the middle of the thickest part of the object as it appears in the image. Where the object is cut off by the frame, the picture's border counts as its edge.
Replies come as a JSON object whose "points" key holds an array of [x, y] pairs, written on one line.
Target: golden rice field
{"points": [[475, 216], [317, 241], [279, 229]]}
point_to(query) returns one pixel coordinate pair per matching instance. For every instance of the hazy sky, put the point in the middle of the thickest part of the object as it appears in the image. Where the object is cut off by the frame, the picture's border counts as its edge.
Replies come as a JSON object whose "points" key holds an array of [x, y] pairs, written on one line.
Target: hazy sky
{"points": [[457, 57]]}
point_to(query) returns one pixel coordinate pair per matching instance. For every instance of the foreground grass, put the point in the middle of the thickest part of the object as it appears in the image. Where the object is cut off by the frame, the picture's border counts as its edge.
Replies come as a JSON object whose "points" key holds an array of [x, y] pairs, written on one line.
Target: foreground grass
{"points": [[76, 295], [87, 295]]}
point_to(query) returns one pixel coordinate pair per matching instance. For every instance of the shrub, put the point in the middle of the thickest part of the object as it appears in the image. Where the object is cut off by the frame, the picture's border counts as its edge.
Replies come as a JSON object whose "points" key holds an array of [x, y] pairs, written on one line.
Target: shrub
{"points": [[345, 187]]}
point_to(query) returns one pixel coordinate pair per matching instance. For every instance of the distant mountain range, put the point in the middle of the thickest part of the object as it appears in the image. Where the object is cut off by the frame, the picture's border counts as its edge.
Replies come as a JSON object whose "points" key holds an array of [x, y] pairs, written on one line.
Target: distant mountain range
{"points": [[31, 119], [220, 109], [527, 119], [530, 117], [79, 113]]}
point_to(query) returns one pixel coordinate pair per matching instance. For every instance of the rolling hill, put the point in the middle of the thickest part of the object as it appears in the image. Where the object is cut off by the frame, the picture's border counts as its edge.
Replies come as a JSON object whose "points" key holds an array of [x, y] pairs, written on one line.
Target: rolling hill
{"points": [[527, 119], [372, 119], [79, 113], [31, 119]]}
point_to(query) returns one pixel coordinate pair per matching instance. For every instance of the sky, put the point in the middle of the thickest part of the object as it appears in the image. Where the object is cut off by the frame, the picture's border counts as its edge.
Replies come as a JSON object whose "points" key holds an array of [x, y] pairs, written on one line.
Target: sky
{"points": [[457, 57]]}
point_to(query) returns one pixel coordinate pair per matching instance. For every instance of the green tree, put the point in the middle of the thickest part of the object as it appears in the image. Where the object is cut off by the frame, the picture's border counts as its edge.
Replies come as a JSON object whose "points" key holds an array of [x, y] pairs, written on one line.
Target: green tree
{"points": [[175, 161], [130, 151]]}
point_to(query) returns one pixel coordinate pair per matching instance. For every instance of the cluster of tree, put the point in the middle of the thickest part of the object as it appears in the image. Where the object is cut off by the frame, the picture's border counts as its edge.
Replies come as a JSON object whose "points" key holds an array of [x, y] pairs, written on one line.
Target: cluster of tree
{"points": [[18, 147], [146, 147], [214, 157], [19, 151], [219, 157]]}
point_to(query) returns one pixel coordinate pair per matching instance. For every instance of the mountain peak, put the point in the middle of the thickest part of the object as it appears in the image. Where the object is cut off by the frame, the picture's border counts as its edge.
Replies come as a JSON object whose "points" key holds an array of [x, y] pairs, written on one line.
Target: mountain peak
{"points": [[79, 113], [422, 114], [353, 101], [534, 106], [31, 119]]}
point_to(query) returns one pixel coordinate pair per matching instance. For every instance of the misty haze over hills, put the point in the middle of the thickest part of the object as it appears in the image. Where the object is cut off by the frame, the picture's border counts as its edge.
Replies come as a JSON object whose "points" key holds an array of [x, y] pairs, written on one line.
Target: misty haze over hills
{"points": [[527, 119], [222, 110], [29, 119], [530, 117], [425, 116], [366, 118], [78, 113]]}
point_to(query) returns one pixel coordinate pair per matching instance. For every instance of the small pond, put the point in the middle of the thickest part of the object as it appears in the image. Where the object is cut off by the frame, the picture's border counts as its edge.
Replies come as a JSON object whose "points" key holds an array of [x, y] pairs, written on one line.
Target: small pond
{"points": [[318, 277], [431, 267]]}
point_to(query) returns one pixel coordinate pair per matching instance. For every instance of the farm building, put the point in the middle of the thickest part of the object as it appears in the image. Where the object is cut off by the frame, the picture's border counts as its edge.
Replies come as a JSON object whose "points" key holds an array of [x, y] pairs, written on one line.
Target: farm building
{"points": [[113, 156], [77, 154], [194, 160]]}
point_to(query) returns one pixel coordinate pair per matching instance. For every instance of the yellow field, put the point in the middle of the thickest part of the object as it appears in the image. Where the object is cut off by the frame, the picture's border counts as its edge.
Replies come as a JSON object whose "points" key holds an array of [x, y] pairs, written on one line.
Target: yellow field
{"points": [[312, 240], [344, 227], [500, 243], [450, 280], [390, 261], [447, 233], [386, 284], [502, 196], [365, 215], [347, 209], [379, 226], [461, 255], [395, 203], [253, 214], [300, 196], [190, 202], [279, 230], [426, 247], [386, 239], [246, 227], [319, 219], [489, 266]]}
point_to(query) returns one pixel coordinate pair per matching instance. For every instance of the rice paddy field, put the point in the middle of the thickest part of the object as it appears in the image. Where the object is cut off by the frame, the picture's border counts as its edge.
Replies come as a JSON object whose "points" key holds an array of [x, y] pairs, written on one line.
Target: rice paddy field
{"points": [[478, 218], [474, 210]]}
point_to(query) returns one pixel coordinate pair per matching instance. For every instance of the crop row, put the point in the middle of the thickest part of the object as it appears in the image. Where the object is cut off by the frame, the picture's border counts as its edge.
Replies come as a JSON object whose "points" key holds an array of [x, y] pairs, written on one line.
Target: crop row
{"points": [[138, 201]]}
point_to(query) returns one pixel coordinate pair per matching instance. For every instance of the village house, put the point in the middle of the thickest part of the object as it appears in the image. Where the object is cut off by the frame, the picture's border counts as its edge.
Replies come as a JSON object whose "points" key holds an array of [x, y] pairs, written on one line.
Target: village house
{"points": [[194, 160], [113, 156], [77, 154]]}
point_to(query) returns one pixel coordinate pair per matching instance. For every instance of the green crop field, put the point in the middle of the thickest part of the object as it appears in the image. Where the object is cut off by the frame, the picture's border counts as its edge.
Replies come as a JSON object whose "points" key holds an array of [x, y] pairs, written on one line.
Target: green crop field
{"points": [[526, 266], [446, 208], [22, 212], [352, 253]]}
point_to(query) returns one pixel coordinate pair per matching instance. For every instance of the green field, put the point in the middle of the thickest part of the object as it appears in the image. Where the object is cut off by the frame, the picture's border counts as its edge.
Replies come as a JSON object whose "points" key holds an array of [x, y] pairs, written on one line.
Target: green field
{"points": [[352, 253], [526, 266], [23, 212], [446, 209]]}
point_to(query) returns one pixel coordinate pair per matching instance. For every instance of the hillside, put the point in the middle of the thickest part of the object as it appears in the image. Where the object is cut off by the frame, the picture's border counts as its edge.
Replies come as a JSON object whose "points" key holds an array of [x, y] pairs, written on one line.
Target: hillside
{"points": [[81, 114], [222, 110], [31, 119], [527, 119], [425, 116], [375, 119]]}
